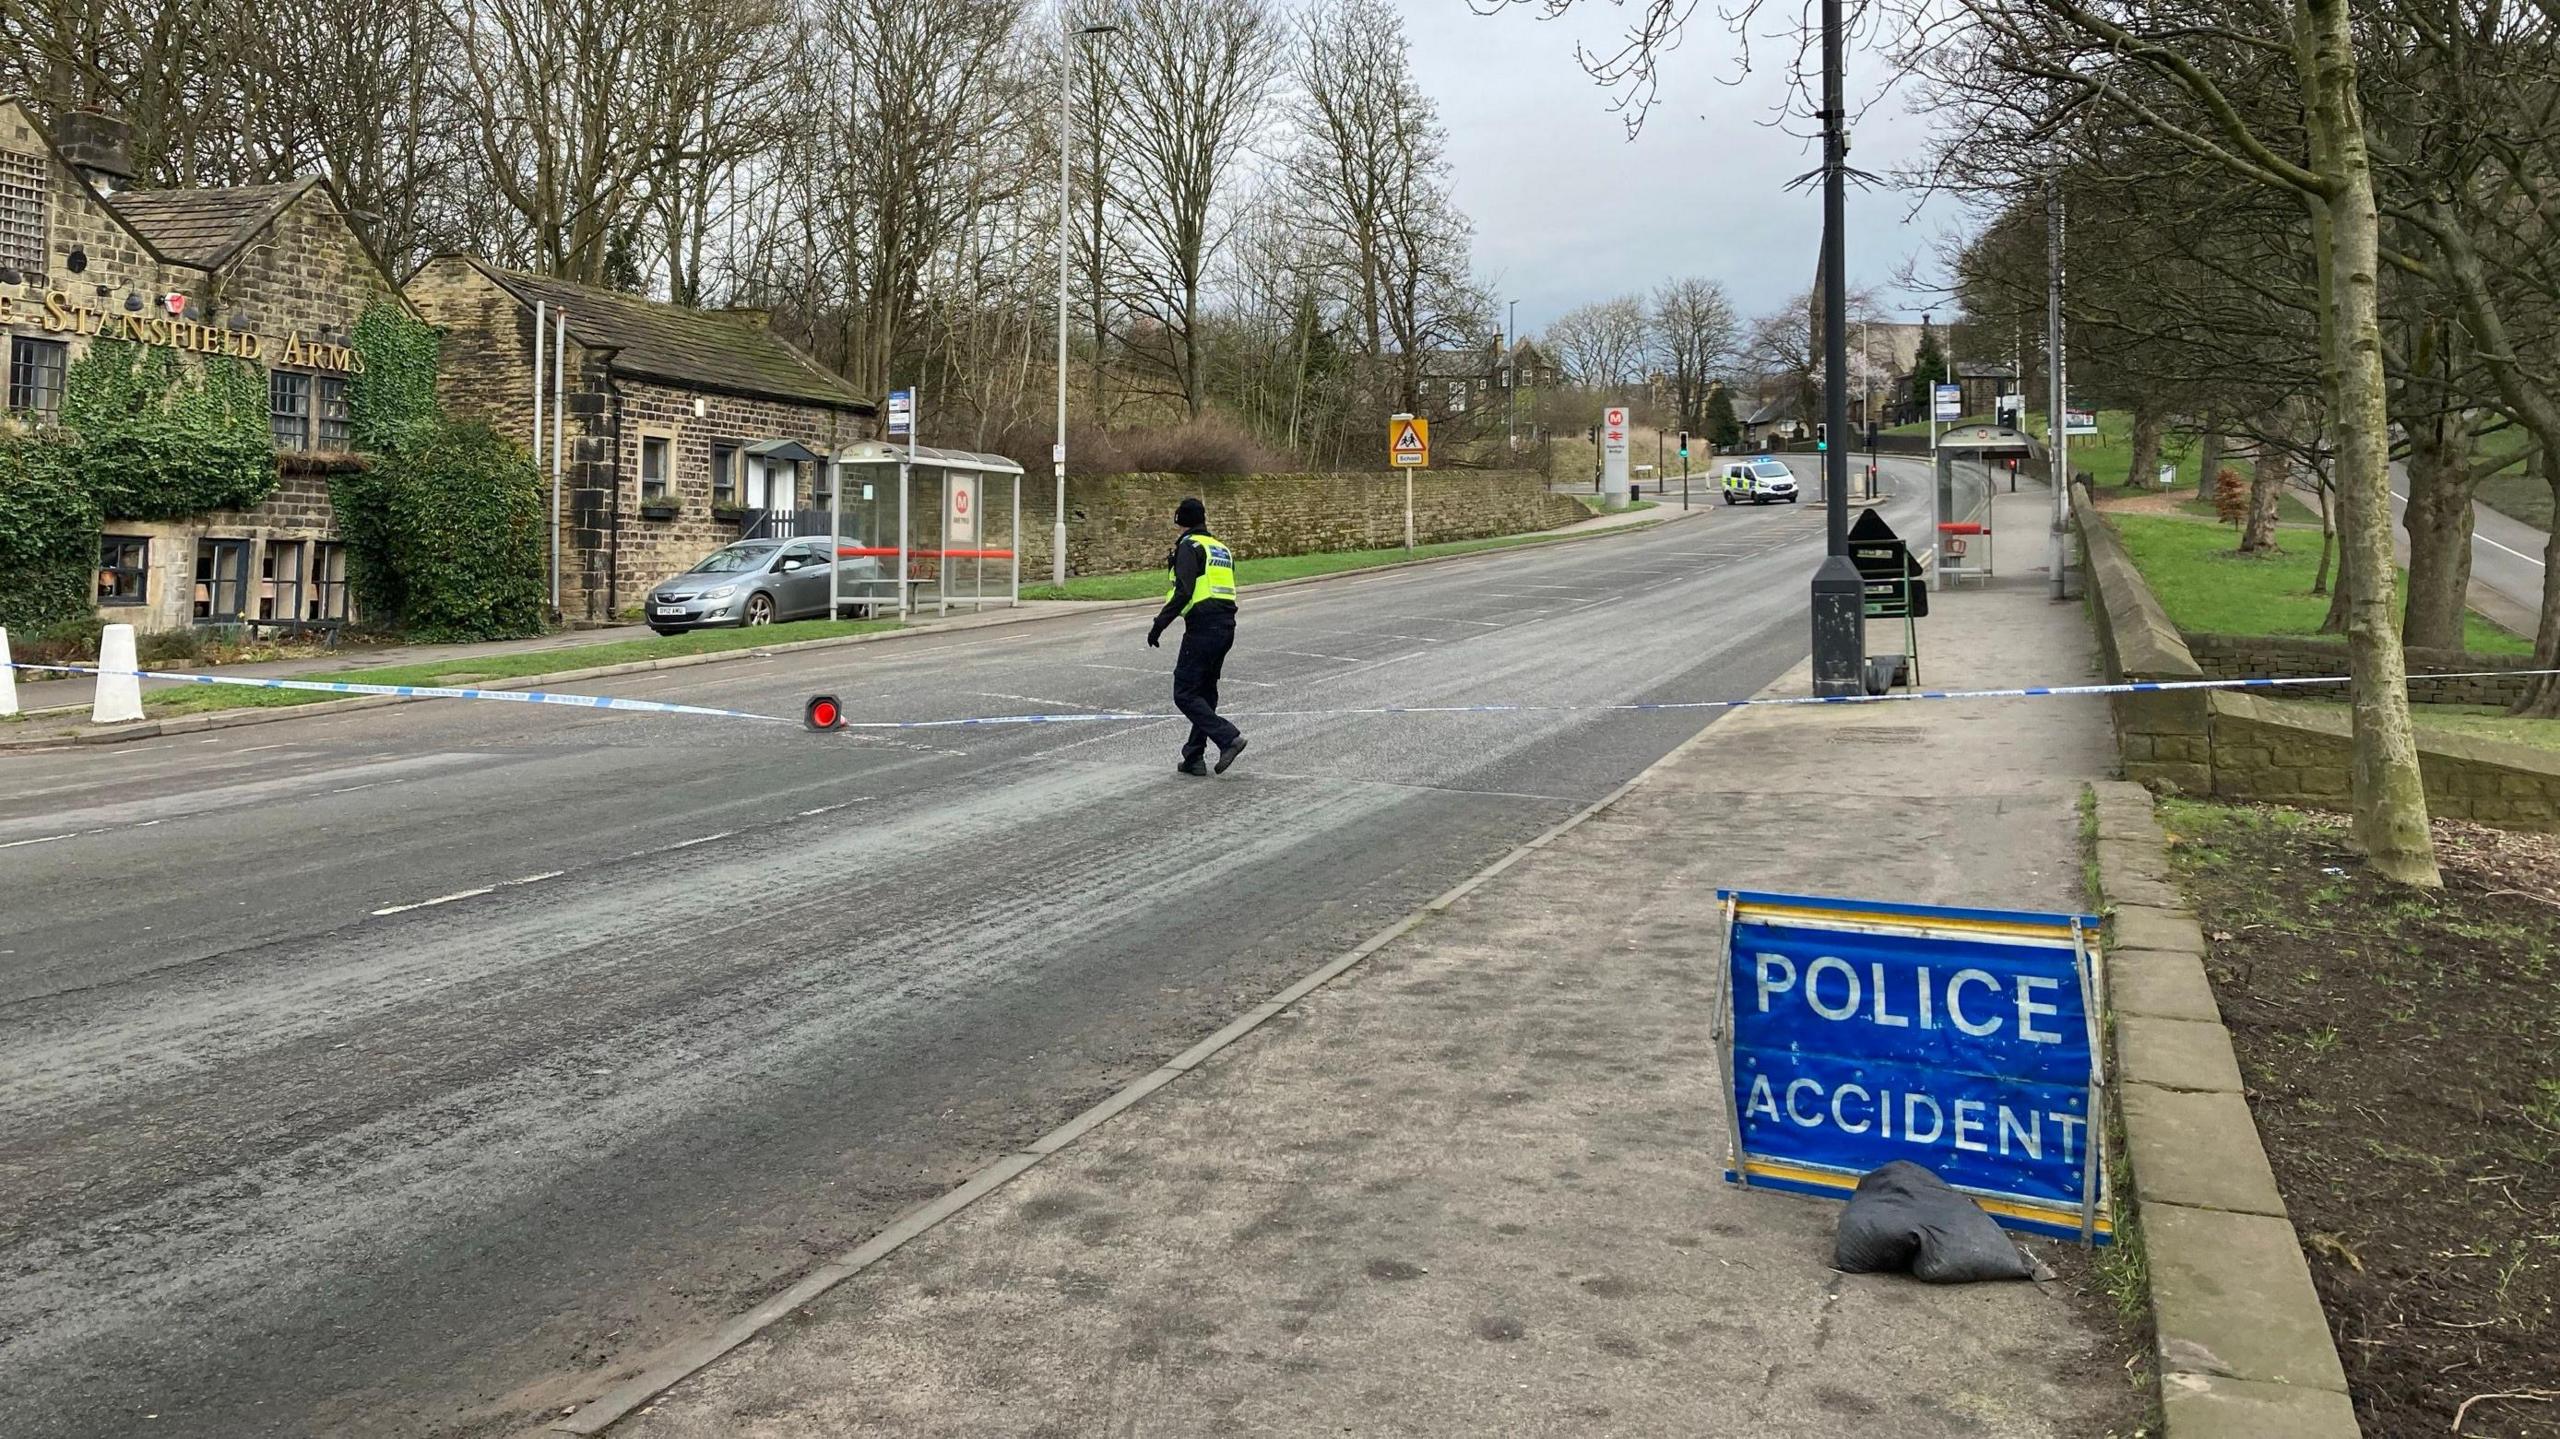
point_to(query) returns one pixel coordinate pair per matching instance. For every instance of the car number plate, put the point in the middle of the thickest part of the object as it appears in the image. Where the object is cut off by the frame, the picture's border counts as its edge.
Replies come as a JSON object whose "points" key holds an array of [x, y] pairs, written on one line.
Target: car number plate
{"points": [[670, 609]]}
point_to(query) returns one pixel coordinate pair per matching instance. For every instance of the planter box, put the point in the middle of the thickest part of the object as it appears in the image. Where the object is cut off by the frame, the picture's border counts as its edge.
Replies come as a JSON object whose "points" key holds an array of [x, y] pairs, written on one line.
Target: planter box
{"points": [[660, 510]]}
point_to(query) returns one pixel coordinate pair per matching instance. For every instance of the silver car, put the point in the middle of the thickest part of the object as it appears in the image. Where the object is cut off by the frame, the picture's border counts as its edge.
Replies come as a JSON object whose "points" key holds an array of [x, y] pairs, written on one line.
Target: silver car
{"points": [[753, 582]]}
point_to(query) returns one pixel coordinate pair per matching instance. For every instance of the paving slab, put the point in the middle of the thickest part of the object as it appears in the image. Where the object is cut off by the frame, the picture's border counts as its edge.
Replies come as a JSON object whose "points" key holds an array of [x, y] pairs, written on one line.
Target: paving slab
{"points": [[2197, 1148], [2203, 1406], [2160, 984], [2233, 1299], [2176, 1054]]}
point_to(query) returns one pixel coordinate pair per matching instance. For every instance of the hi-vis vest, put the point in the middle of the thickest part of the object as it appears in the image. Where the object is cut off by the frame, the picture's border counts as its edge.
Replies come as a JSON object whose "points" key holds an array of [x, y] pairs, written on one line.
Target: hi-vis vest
{"points": [[1217, 574]]}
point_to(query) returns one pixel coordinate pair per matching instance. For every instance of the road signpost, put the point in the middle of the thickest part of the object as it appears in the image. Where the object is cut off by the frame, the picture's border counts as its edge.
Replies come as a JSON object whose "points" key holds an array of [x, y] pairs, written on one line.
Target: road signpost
{"points": [[1856, 1032], [1408, 449]]}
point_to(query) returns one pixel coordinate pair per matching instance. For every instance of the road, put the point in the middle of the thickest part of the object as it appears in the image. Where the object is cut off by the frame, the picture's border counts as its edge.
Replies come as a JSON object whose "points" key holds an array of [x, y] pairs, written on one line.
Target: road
{"points": [[410, 1072], [2506, 559]]}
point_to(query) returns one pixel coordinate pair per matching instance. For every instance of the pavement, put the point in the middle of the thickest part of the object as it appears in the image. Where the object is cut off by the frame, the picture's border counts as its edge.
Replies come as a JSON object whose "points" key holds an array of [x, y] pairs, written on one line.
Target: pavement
{"points": [[1471, 1187], [421, 1070]]}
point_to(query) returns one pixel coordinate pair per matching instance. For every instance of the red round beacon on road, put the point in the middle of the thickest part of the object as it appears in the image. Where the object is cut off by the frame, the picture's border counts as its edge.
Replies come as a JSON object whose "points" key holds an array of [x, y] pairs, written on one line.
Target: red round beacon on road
{"points": [[823, 712]]}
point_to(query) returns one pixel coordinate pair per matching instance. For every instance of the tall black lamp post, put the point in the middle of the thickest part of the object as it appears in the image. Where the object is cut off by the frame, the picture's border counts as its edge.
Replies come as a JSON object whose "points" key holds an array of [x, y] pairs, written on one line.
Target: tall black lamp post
{"points": [[1839, 610]]}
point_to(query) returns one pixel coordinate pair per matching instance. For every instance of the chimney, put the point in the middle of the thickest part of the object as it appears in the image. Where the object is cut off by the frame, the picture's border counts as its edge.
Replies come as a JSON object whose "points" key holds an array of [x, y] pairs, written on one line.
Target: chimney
{"points": [[98, 145]]}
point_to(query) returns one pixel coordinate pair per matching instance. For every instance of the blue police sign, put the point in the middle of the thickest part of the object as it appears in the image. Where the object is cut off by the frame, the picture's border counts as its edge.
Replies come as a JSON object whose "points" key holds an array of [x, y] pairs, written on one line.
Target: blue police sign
{"points": [[1965, 1040]]}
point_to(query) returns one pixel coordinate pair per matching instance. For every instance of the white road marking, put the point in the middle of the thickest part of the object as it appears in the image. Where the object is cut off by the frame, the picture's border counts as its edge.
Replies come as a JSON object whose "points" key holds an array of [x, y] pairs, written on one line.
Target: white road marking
{"points": [[2479, 538], [1130, 669], [706, 839], [439, 899], [1037, 700], [46, 839], [253, 749], [1312, 655], [1447, 620]]}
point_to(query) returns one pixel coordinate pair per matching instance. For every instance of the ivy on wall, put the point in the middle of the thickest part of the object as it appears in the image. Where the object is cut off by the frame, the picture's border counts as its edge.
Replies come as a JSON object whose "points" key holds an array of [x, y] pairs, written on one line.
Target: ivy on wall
{"points": [[158, 443], [444, 529], [394, 400], [446, 533], [48, 533]]}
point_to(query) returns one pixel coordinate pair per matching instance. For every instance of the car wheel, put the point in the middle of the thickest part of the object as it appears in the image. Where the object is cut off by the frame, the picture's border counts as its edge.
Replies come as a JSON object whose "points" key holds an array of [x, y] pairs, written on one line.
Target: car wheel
{"points": [[663, 630], [759, 609], [1791, 499]]}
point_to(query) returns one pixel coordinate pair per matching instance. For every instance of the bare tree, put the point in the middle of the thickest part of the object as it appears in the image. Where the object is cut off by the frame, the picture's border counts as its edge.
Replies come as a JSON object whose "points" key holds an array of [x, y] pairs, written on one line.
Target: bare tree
{"points": [[1192, 82], [1696, 332], [1605, 344]]}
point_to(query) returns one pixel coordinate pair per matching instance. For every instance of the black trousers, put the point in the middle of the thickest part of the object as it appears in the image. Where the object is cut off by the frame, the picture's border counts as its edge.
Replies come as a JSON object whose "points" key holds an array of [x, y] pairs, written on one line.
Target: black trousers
{"points": [[1208, 632]]}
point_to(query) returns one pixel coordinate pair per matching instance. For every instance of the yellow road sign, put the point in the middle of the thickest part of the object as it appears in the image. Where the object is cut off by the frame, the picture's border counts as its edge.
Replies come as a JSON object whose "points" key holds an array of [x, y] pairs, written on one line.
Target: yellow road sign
{"points": [[1409, 442]]}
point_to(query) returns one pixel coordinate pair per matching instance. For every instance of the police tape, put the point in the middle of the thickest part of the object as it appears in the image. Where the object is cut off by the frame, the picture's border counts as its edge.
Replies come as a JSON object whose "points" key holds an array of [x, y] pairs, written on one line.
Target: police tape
{"points": [[1648, 706], [824, 712], [423, 692]]}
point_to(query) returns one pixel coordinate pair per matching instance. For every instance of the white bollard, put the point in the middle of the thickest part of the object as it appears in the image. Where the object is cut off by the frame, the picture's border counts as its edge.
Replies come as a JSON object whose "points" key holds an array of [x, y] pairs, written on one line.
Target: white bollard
{"points": [[119, 689], [8, 677]]}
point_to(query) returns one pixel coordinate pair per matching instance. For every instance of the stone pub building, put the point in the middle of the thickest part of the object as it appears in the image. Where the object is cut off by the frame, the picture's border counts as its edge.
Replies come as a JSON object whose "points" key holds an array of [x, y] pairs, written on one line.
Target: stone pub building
{"points": [[683, 429], [270, 274]]}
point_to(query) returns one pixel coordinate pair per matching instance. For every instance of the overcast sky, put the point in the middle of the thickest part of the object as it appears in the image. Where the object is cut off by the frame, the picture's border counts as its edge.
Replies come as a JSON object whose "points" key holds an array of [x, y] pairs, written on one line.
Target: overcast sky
{"points": [[1567, 209]]}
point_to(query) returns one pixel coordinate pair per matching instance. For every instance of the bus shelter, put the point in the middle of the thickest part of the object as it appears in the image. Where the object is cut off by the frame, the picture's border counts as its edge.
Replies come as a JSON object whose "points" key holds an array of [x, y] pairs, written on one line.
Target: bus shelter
{"points": [[915, 525], [1968, 457]]}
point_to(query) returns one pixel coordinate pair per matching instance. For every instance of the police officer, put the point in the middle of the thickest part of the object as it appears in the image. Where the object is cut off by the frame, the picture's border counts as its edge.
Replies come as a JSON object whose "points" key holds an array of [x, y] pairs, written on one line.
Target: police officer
{"points": [[1204, 595]]}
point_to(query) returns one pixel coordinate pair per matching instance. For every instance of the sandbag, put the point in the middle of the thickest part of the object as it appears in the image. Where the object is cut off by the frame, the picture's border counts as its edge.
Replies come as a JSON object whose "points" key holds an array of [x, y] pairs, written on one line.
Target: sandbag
{"points": [[1904, 1217]]}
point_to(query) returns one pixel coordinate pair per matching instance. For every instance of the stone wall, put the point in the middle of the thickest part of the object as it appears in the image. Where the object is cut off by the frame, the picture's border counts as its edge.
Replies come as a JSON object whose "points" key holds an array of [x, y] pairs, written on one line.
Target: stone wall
{"points": [[2243, 746], [2304, 656], [2165, 739], [2292, 754], [1125, 522]]}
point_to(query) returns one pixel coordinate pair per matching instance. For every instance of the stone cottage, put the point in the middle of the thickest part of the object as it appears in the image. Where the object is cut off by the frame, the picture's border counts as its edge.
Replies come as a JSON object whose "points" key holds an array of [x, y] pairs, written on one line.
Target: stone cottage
{"points": [[271, 274], [683, 429]]}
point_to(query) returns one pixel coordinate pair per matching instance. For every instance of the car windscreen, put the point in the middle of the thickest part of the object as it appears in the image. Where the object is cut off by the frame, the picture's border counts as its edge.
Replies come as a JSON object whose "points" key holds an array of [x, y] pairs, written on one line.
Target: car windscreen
{"points": [[1771, 470], [735, 560]]}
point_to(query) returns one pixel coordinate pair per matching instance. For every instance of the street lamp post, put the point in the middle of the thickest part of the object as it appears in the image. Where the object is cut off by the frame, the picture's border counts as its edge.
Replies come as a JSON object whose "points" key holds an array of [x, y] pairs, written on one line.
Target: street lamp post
{"points": [[1058, 451], [1839, 595]]}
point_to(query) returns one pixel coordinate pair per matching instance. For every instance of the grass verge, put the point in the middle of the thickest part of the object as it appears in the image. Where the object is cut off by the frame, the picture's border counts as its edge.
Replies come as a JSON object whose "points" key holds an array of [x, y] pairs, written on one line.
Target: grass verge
{"points": [[1150, 584], [2207, 584], [2475, 721], [475, 669]]}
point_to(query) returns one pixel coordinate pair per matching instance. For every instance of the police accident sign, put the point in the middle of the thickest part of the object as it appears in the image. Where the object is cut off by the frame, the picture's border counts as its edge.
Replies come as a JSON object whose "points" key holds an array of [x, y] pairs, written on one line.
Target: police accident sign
{"points": [[1966, 1040]]}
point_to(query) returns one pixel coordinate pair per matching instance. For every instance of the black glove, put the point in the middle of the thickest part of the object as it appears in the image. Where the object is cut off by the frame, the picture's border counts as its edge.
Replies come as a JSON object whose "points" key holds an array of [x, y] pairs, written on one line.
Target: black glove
{"points": [[1155, 638]]}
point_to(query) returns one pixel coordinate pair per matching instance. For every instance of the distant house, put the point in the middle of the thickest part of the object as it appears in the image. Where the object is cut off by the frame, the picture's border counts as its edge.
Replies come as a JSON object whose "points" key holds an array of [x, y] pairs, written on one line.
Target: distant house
{"points": [[1457, 381], [685, 428], [1983, 382], [1781, 418]]}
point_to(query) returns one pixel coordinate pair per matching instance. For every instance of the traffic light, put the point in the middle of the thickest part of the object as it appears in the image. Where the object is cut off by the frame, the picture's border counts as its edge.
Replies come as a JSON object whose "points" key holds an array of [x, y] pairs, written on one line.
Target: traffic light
{"points": [[823, 712], [1684, 444], [1595, 434], [1822, 437]]}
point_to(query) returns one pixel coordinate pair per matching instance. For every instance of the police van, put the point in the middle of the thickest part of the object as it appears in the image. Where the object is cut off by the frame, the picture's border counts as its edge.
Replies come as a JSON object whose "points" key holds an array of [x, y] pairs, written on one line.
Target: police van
{"points": [[1760, 480]]}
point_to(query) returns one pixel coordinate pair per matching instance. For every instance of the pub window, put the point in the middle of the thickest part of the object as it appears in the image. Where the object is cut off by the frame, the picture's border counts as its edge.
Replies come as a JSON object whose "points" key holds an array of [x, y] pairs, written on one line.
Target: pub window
{"points": [[222, 581], [653, 467], [289, 409], [35, 376], [724, 472], [23, 188], [124, 570], [335, 429], [327, 597], [280, 581]]}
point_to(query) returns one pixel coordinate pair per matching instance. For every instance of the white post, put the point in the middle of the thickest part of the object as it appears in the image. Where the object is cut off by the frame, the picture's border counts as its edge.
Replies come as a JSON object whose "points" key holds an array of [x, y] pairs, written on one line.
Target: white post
{"points": [[559, 408], [835, 537], [540, 309], [119, 694], [1408, 509], [8, 676], [902, 536], [1013, 596]]}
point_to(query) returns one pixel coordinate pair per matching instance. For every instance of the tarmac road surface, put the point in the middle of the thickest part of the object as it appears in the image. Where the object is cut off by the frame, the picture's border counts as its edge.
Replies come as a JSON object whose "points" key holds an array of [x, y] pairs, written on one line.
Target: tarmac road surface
{"points": [[412, 1071]]}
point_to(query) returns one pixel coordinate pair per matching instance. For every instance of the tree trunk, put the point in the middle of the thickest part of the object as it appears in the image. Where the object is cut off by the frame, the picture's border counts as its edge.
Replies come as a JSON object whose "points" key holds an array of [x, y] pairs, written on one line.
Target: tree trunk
{"points": [[2389, 795], [2542, 694], [2266, 494], [2209, 463], [2439, 523], [2146, 448], [2328, 542]]}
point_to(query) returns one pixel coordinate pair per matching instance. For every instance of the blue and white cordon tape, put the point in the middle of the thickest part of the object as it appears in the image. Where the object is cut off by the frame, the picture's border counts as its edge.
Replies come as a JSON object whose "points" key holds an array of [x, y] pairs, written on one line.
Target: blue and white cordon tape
{"points": [[631, 706], [423, 692]]}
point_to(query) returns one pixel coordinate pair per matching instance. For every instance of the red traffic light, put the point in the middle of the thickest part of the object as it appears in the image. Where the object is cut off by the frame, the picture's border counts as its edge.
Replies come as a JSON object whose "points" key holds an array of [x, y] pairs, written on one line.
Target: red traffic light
{"points": [[823, 712]]}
